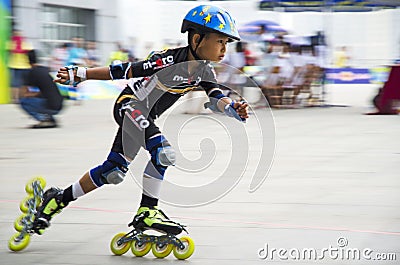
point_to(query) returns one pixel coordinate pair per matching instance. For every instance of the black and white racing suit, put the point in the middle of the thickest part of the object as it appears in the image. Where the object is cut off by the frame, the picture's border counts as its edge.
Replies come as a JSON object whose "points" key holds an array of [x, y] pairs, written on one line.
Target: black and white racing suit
{"points": [[157, 83]]}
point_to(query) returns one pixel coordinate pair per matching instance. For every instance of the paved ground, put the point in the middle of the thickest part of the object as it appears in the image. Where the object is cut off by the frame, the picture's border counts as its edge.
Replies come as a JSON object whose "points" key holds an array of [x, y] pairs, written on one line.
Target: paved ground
{"points": [[335, 177]]}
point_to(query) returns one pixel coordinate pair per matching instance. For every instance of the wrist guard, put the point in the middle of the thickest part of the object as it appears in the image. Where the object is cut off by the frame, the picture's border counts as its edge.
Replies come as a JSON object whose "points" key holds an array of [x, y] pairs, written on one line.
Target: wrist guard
{"points": [[230, 111], [75, 71]]}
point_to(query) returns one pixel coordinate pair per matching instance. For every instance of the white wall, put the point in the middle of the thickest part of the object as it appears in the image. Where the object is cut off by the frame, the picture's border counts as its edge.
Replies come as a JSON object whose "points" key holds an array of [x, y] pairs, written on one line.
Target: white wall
{"points": [[151, 22], [28, 17], [373, 37]]}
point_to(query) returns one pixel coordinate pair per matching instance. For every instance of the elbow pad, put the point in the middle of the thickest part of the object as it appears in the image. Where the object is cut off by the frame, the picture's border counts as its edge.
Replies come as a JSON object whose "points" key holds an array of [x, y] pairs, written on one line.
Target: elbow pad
{"points": [[119, 70]]}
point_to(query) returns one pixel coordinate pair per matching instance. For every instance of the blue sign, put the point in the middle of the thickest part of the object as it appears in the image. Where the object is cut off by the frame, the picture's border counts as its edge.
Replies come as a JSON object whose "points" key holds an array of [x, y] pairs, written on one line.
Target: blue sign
{"points": [[348, 76]]}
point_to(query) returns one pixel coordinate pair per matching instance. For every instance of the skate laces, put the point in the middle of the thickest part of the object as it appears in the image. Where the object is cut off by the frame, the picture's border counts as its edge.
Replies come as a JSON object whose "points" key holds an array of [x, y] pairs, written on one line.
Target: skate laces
{"points": [[165, 219], [153, 213], [149, 216], [159, 214], [52, 202]]}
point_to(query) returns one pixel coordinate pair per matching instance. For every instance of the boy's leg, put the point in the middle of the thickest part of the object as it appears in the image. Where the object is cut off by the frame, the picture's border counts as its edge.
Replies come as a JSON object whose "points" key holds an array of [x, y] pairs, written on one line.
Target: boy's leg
{"points": [[149, 214], [85, 184], [112, 171], [55, 199], [162, 155]]}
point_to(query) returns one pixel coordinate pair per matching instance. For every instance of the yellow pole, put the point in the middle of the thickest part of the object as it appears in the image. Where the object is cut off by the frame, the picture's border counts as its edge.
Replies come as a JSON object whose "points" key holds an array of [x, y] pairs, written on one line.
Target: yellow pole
{"points": [[5, 15]]}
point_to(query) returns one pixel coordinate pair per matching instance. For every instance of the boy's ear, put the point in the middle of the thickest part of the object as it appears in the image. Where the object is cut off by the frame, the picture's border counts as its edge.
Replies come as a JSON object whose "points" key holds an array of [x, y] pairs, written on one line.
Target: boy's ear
{"points": [[196, 39]]}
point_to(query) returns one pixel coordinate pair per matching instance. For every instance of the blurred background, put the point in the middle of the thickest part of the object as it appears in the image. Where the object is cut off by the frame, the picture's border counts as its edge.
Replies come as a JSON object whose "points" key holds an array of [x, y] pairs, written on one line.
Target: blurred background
{"points": [[361, 38], [335, 172]]}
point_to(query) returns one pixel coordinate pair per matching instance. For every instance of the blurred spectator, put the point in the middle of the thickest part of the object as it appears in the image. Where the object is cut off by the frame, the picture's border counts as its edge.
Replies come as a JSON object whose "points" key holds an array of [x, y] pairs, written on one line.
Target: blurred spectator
{"points": [[284, 64], [296, 57], [237, 58], [308, 55], [40, 96], [132, 49], [274, 48], [59, 57], [77, 54], [298, 62], [321, 49], [131, 56], [341, 57], [281, 71], [264, 38], [93, 57], [119, 55], [18, 62], [249, 55]]}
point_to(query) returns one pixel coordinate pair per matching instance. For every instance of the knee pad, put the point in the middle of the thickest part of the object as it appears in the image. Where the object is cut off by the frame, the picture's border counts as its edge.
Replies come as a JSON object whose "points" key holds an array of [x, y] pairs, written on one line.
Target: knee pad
{"points": [[112, 171], [162, 153]]}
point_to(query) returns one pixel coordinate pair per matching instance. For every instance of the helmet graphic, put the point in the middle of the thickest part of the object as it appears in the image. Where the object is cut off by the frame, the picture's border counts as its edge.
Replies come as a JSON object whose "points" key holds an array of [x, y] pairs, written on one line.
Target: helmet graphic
{"points": [[206, 18]]}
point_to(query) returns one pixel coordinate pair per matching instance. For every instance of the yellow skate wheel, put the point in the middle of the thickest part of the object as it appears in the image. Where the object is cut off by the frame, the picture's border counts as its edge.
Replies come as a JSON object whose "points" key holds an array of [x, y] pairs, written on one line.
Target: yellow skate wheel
{"points": [[23, 206], [140, 250], [28, 186], [18, 225], [187, 251], [17, 244], [161, 251], [119, 249]]}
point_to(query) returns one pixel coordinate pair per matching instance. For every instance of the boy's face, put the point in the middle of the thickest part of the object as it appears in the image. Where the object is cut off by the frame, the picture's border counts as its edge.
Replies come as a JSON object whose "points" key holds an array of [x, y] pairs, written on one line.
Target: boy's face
{"points": [[213, 47]]}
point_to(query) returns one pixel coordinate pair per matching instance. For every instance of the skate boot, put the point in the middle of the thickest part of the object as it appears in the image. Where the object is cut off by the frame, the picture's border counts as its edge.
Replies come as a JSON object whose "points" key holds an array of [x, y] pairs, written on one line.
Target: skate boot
{"points": [[51, 205], [141, 242], [152, 218]]}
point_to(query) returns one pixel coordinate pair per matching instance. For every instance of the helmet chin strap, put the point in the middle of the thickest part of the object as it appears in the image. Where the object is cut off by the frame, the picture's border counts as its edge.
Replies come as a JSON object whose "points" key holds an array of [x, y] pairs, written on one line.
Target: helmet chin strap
{"points": [[193, 51]]}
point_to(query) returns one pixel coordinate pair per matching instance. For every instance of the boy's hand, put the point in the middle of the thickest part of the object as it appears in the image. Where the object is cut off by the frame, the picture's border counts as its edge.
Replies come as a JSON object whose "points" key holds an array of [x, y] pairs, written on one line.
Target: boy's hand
{"points": [[237, 110], [69, 75], [242, 109], [62, 75]]}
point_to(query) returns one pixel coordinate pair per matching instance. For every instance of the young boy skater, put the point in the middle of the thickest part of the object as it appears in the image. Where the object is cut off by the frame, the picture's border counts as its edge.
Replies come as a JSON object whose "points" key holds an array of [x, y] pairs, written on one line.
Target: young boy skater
{"points": [[141, 102]]}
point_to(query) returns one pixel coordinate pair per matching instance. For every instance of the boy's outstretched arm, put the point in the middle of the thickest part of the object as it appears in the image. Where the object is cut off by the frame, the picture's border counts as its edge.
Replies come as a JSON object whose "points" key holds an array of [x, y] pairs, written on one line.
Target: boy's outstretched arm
{"points": [[72, 75], [240, 107], [99, 73], [221, 103]]}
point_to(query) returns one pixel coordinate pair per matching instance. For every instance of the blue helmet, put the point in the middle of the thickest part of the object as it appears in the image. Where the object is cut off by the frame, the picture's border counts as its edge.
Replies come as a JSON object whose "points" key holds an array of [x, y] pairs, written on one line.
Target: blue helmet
{"points": [[207, 18]]}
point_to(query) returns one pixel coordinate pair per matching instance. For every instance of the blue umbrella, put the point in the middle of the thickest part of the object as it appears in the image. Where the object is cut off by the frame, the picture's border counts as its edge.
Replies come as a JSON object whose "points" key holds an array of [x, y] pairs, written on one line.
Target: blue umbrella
{"points": [[254, 26], [249, 31]]}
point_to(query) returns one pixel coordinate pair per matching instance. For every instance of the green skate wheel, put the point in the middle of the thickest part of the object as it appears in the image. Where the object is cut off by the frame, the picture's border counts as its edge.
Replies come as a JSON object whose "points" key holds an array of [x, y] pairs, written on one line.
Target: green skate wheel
{"points": [[161, 251], [119, 249], [28, 186], [18, 225], [140, 250], [24, 204], [17, 244], [188, 249]]}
